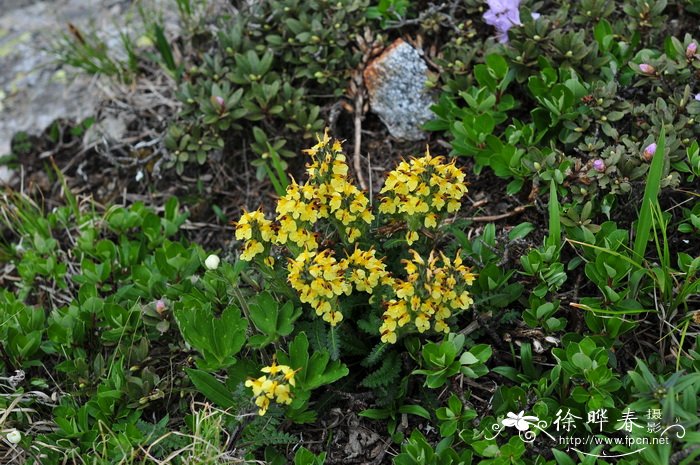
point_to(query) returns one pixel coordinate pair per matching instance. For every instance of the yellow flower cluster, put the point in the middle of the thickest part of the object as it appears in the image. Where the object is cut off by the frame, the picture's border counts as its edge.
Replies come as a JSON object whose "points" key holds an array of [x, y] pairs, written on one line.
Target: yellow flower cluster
{"points": [[423, 190], [275, 387], [335, 196], [297, 211], [432, 292], [366, 272], [327, 194], [320, 279], [256, 230]]}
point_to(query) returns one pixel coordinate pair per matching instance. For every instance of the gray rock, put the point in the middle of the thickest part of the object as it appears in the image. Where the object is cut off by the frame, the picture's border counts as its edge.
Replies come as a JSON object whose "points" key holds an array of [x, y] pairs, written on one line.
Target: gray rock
{"points": [[395, 83], [34, 88]]}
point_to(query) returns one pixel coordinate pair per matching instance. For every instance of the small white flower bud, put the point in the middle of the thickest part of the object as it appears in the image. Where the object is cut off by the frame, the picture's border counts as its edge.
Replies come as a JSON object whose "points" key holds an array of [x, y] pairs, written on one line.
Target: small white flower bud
{"points": [[14, 436], [212, 262]]}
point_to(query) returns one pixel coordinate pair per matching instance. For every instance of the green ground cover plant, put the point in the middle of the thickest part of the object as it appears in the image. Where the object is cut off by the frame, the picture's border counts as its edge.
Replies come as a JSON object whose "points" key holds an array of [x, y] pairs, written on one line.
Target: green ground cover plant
{"points": [[521, 287]]}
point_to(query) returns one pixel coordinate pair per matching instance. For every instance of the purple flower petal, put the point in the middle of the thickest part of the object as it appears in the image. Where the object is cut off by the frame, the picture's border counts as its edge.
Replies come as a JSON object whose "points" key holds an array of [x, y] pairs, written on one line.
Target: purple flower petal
{"points": [[646, 68], [502, 15], [649, 151]]}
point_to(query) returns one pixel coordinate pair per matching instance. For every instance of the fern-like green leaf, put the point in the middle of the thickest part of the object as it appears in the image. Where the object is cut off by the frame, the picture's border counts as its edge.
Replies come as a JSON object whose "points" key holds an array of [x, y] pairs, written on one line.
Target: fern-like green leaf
{"points": [[370, 325], [333, 343], [317, 334], [386, 374], [264, 431], [351, 344], [375, 355]]}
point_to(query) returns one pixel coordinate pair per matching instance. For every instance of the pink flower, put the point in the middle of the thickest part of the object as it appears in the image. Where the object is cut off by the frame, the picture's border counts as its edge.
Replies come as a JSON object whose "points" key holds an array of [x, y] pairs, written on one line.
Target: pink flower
{"points": [[503, 14], [599, 165], [690, 50], [160, 306], [649, 152], [218, 102], [646, 68]]}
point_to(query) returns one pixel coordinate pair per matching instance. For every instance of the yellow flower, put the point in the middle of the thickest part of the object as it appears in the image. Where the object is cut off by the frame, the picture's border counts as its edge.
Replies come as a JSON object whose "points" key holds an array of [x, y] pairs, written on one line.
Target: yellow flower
{"points": [[264, 403], [243, 231], [423, 189], [404, 290], [276, 387], [282, 394], [333, 318], [307, 213], [323, 308], [322, 143], [353, 234], [287, 227], [289, 374], [389, 324], [256, 385], [468, 278], [420, 191], [254, 226], [417, 258], [252, 248], [340, 169], [267, 386], [338, 184], [438, 201], [422, 323], [388, 337], [336, 201], [272, 369], [411, 237], [388, 205], [441, 327], [453, 206], [308, 192]]}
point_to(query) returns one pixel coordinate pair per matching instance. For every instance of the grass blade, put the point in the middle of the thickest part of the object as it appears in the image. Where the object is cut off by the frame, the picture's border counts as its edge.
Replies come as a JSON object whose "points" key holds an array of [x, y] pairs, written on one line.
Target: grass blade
{"points": [[651, 197], [554, 220], [163, 47], [275, 182], [281, 173]]}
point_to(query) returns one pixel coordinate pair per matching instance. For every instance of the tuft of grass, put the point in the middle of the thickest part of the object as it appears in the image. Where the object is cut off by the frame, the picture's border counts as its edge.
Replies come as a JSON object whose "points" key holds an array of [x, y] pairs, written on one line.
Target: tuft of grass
{"points": [[91, 54], [208, 444]]}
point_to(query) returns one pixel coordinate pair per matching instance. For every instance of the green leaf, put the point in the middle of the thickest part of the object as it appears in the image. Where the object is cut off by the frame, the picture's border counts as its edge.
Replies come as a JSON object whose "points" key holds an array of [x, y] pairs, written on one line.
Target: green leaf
{"points": [[601, 31], [217, 339], [582, 361], [333, 343], [651, 198], [415, 410], [315, 371], [521, 231], [270, 319], [554, 237], [375, 413], [211, 387], [562, 458]]}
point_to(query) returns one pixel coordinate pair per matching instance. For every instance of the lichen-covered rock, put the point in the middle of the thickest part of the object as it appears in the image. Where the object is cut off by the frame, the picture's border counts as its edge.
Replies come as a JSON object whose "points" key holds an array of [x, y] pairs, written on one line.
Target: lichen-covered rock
{"points": [[395, 83]]}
